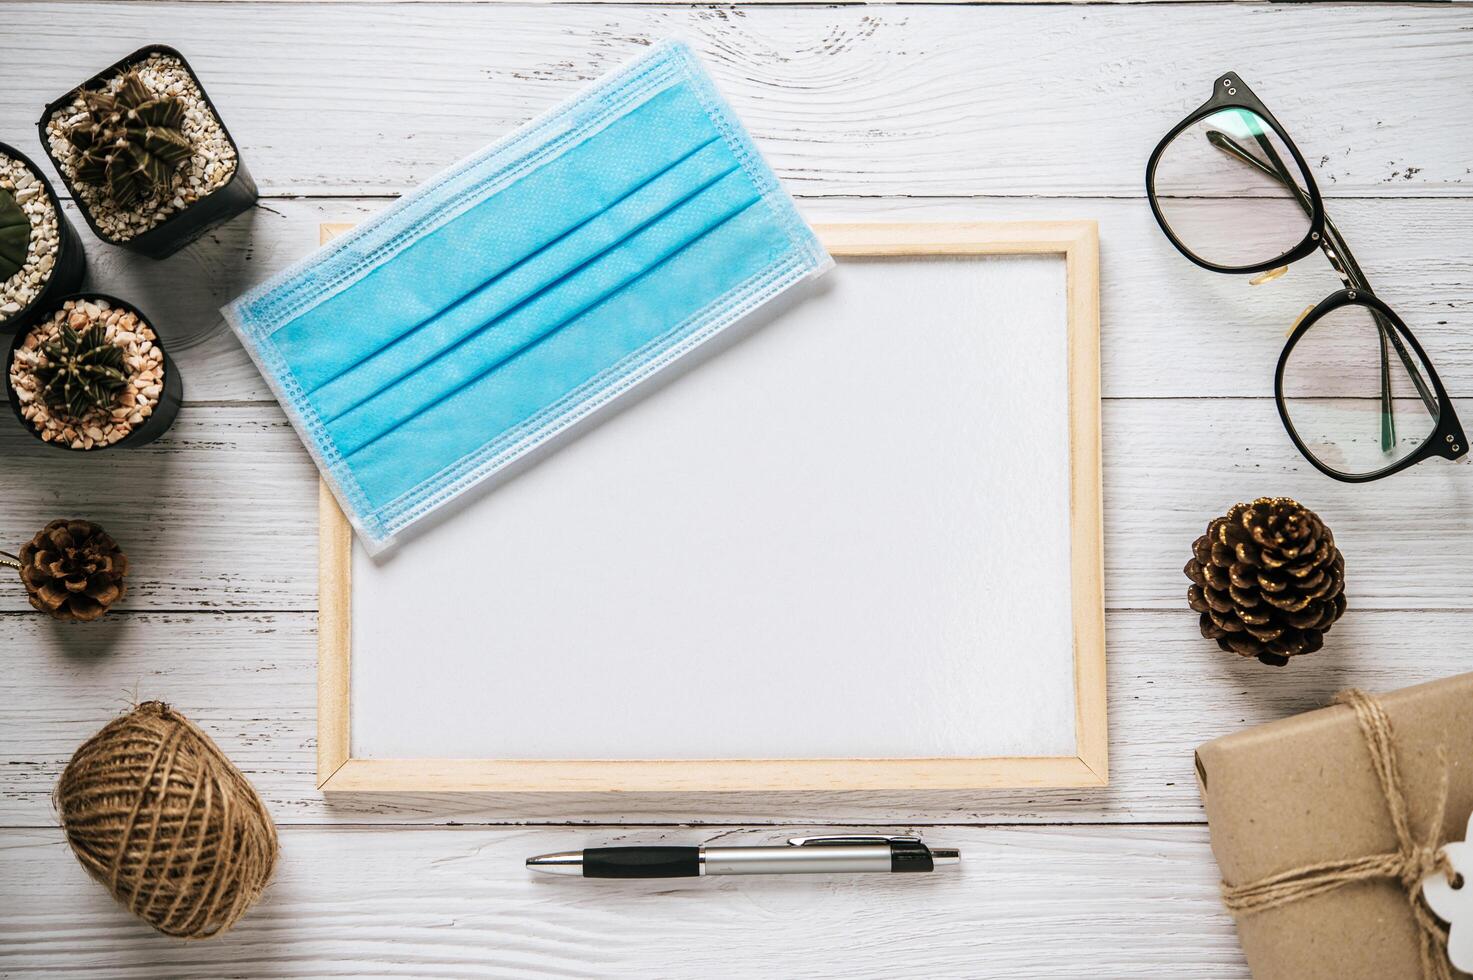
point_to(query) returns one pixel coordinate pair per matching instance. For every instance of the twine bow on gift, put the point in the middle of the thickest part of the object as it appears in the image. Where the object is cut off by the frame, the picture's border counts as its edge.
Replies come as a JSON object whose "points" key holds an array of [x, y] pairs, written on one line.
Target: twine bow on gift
{"points": [[1411, 863]]}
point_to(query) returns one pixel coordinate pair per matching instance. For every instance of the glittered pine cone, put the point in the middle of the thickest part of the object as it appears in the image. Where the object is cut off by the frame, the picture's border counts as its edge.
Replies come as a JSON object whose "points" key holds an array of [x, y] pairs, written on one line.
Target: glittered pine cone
{"points": [[73, 570], [1268, 580]]}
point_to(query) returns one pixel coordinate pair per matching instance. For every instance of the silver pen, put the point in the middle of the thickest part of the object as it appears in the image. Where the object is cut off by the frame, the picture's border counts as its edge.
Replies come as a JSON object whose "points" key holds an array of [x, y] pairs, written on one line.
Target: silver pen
{"points": [[851, 854]]}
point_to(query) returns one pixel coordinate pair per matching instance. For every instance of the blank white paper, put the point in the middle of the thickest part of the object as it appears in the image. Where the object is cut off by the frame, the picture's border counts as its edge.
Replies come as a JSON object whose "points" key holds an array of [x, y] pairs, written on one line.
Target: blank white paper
{"points": [[845, 534]]}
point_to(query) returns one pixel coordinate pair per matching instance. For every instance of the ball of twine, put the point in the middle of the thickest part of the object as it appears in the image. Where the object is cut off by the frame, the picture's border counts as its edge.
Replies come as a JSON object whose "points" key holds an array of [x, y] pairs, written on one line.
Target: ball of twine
{"points": [[156, 812]]}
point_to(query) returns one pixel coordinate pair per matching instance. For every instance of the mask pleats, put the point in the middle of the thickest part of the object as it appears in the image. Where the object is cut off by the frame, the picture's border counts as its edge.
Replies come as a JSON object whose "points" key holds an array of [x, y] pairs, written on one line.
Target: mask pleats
{"points": [[493, 410], [518, 219], [552, 310], [445, 335], [518, 292]]}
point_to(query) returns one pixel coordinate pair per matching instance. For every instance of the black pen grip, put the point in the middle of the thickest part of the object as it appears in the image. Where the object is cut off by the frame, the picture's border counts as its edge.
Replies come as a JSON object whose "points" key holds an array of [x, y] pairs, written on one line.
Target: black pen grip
{"points": [[641, 862]]}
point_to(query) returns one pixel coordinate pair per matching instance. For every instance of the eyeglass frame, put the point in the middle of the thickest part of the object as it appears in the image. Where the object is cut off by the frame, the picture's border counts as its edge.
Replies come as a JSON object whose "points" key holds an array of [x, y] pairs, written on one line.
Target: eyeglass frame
{"points": [[1447, 439]]}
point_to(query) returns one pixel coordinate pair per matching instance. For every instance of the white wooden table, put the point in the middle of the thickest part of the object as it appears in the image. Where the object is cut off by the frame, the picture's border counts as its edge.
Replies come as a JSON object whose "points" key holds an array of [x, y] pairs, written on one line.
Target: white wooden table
{"points": [[976, 111]]}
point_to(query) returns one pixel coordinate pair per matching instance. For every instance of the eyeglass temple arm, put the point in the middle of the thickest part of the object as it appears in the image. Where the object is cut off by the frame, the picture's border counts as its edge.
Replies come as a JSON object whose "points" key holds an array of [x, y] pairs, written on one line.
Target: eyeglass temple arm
{"points": [[1333, 245], [1350, 273]]}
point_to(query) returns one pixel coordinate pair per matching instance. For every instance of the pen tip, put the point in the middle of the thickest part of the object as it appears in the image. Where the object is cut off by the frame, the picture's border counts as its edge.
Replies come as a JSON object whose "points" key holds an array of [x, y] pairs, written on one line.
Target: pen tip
{"points": [[561, 863]]}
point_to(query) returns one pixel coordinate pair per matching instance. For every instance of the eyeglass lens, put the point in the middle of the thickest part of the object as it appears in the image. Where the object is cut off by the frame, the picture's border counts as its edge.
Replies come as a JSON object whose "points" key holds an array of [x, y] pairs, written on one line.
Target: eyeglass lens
{"points": [[1230, 190], [1333, 392]]}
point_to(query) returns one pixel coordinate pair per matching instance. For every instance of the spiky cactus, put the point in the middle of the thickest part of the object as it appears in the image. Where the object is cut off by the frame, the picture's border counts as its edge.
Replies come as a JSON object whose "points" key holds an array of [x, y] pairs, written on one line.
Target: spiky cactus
{"points": [[15, 235], [131, 143], [83, 371]]}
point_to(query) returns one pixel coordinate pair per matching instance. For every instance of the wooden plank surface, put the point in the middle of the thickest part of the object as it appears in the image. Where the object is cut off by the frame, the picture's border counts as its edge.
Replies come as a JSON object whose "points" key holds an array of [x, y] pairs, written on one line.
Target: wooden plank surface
{"points": [[221, 514], [248, 678], [458, 903], [1171, 330], [868, 112], [869, 100]]}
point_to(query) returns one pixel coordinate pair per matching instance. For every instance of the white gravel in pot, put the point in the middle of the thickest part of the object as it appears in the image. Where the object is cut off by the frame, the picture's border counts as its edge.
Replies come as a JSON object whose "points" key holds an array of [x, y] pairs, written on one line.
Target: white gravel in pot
{"points": [[17, 292], [142, 358], [211, 167]]}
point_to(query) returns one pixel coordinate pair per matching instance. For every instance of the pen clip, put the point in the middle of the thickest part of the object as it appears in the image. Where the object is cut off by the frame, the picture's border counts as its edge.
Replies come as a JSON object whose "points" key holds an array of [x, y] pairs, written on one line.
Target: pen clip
{"points": [[851, 839]]}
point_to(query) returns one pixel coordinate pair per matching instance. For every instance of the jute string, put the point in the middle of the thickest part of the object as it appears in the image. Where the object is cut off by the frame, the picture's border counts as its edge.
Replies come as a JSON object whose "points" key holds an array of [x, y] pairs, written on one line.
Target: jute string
{"points": [[1408, 865], [156, 812]]}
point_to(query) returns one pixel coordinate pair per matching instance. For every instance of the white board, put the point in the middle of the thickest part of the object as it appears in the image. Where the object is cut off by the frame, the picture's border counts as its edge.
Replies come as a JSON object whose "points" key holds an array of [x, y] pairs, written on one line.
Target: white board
{"points": [[845, 534]]}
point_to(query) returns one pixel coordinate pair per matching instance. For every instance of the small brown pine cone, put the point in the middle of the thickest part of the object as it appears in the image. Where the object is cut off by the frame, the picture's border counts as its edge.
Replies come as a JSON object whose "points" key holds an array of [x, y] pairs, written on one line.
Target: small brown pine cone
{"points": [[1268, 580], [73, 570]]}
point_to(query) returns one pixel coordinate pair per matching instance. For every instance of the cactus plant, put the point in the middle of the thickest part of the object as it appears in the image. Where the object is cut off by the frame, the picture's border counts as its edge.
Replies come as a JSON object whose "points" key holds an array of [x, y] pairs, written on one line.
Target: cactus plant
{"points": [[15, 235], [130, 143], [82, 372]]}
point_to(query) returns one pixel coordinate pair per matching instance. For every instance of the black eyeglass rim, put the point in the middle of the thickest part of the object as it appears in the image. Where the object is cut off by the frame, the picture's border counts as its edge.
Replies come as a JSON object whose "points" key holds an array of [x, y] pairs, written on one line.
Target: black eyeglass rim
{"points": [[1447, 439], [1242, 97]]}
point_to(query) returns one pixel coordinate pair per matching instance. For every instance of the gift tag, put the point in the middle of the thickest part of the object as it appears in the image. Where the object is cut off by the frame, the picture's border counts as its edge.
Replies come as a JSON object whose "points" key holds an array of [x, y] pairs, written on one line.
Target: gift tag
{"points": [[1455, 905]]}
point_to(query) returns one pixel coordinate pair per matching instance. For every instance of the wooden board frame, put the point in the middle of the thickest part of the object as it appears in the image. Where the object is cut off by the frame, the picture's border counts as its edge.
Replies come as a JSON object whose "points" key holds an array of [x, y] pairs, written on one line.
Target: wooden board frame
{"points": [[1078, 243]]}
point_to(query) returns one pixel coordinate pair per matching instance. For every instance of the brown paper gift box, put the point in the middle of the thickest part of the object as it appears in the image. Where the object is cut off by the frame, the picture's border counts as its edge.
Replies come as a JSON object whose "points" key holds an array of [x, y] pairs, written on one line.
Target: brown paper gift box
{"points": [[1301, 790]]}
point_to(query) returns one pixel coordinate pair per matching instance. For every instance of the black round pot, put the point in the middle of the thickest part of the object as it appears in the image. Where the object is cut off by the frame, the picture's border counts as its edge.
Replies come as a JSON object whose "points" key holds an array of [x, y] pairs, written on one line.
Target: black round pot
{"points": [[71, 257], [163, 413], [182, 227]]}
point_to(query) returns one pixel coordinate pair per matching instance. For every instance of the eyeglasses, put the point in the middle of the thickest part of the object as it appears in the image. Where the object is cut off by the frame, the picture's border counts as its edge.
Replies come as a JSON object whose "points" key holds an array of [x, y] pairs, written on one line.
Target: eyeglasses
{"points": [[1354, 388]]}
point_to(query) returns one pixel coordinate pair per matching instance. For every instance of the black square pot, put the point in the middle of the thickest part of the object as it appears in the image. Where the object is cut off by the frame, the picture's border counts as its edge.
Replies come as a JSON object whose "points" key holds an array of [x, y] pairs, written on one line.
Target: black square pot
{"points": [[71, 257], [182, 227], [157, 423]]}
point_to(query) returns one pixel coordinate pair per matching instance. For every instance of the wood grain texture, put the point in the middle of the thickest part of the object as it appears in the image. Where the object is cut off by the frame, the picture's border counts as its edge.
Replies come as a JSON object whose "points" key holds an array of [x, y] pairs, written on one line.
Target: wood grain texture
{"points": [[222, 512], [423, 777], [1025, 903], [248, 679], [1086, 491], [869, 112], [870, 100], [334, 617], [334, 632], [1170, 329]]}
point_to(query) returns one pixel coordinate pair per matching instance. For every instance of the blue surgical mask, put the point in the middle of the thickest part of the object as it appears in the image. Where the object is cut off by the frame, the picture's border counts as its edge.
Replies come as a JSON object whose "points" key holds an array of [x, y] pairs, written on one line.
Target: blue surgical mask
{"points": [[523, 288]]}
